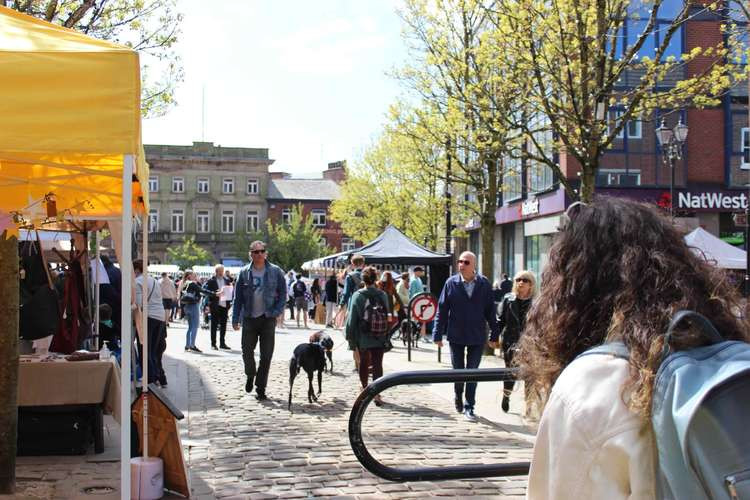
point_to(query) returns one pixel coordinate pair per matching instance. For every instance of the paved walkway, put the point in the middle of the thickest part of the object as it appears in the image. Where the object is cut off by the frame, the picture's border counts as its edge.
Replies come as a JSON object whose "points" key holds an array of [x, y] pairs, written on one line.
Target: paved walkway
{"points": [[237, 447]]}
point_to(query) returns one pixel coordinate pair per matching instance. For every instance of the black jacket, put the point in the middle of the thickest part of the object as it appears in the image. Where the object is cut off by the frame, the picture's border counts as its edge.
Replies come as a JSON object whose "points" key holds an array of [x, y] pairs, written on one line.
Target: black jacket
{"points": [[511, 319], [212, 285], [332, 290]]}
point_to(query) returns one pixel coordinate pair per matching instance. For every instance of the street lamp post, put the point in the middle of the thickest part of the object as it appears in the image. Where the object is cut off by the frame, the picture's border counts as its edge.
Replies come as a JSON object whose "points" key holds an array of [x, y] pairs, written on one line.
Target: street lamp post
{"points": [[671, 141]]}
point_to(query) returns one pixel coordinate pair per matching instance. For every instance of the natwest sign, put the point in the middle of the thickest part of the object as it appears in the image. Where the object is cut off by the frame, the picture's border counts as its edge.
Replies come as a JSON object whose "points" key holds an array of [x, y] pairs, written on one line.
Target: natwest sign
{"points": [[720, 201]]}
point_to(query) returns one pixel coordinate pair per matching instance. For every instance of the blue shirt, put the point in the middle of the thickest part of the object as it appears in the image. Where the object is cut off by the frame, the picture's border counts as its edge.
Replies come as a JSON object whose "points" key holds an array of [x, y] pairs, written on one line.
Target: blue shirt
{"points": [[415, 286]]}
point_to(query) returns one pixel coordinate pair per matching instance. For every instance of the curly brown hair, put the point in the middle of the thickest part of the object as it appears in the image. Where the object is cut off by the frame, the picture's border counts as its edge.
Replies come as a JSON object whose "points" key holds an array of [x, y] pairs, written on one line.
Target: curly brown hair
{"points": [[620, 270]]}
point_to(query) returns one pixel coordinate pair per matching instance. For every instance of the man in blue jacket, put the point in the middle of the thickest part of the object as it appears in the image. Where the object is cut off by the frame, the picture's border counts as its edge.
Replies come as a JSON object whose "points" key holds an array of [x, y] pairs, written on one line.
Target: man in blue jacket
{"points": [[259, 297], [465, 308]]}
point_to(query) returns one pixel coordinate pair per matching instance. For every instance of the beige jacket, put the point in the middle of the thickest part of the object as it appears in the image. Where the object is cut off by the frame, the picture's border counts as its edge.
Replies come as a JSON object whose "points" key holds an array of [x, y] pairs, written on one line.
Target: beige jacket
{"points": [[589, 445]]}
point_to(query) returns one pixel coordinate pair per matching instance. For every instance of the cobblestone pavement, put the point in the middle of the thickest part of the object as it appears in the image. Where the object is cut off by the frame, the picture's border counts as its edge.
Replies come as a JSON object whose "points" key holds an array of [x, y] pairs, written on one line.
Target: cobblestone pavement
{"points": [[238, 447]]}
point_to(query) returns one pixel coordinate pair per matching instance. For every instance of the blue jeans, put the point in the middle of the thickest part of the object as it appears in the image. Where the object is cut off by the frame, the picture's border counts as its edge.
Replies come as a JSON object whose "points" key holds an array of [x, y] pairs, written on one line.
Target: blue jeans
{"points": [[193, 316], [466, 356]]}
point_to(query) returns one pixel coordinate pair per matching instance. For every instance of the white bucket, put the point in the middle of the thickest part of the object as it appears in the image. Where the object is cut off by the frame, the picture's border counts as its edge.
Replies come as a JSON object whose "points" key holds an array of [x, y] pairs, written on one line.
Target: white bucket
{"points": [[146, 478]]}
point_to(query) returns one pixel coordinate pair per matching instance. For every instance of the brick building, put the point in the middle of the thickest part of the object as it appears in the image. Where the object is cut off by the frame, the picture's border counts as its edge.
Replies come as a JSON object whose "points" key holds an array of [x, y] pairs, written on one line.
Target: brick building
{"points": [[315, 197], [710, 180]]}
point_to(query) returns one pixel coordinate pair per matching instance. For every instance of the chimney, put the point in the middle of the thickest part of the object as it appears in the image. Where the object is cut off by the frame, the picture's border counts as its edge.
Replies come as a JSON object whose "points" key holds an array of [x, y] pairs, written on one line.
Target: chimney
{"points": [[336, 171]]}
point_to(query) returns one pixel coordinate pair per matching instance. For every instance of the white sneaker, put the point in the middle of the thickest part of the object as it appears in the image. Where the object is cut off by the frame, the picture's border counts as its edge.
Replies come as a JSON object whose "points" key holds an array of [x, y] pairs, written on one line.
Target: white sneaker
{"points": [[469, 415]]}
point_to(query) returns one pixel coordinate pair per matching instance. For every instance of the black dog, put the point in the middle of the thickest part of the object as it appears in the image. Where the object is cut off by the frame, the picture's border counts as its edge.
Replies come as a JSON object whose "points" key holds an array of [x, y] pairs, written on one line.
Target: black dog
{"points": [[325, 340], [311, 358]]}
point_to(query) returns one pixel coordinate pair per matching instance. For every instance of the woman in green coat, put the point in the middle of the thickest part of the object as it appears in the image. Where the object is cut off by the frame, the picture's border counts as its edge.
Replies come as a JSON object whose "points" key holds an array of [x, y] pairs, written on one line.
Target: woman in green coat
{"points": [[370, 347]]}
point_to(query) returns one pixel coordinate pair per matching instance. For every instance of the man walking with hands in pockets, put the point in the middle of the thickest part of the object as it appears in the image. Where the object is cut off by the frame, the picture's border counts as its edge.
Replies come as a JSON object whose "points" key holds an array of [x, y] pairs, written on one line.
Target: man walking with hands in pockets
{"points": [[465, 309], [260, 296]]}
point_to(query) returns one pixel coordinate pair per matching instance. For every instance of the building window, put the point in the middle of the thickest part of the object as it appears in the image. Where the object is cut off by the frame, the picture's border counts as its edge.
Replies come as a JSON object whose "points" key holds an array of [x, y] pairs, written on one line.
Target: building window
{"points": [[286, 215], [347, 244], [252, 221], [512, 179], [531, 254], [540, 177], [252, 186], [633, 127], [227, 186], [202, 221], [153, 220], [319, 217], [227, 221], [153, 184], [178, 220], [618, 177], [509, 258], [746, 148], [203, 185], [178, 184]]}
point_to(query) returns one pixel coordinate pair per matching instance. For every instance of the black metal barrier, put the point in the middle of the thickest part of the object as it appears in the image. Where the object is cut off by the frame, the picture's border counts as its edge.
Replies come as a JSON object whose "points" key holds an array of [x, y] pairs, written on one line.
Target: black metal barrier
{"points": [[427, 473]]}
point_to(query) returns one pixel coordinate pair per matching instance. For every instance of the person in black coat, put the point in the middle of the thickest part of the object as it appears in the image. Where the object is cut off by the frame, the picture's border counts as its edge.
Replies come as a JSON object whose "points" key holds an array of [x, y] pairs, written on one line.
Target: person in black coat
{"points": [[218, 308], [331, 298], [506, 286], [511, 320]]}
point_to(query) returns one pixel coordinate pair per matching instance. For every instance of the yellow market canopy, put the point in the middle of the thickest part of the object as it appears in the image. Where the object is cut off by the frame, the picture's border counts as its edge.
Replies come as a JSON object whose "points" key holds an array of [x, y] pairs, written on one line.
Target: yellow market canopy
{"points": [[70, 117]]}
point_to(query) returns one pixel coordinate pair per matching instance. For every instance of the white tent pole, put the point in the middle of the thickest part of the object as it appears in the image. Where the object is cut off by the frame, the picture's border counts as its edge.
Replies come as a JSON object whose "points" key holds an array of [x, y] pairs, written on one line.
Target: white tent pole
{"points": [[126, 269], [144, 329], [97, 298]]}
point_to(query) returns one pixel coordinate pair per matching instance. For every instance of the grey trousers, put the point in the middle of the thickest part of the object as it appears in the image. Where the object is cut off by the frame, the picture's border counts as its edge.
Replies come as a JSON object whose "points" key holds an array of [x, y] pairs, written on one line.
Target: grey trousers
{"points": [[253, 330]]}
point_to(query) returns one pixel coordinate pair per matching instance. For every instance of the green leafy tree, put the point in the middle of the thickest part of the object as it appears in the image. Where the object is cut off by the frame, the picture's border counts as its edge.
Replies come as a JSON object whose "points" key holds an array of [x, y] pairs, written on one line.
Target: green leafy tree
{"points": [[290, 244], [569, 62], [188, 254], [149, 26], [395, 182]]}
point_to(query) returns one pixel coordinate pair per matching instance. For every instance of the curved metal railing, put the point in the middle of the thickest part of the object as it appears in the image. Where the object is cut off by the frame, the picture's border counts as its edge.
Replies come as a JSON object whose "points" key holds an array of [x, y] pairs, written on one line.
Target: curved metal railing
{"points": [[427, 473]]}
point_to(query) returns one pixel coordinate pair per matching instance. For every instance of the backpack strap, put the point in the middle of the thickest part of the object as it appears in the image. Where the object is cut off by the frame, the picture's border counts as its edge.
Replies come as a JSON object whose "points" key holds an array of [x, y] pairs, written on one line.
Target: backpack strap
{"points": [[695, 319], [616, 349]]}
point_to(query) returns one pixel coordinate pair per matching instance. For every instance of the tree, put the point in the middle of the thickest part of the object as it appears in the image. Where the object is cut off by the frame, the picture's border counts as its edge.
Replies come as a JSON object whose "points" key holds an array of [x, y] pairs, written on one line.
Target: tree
{"points": [[460, 109], [568, 62], [188, 254], [395, 182], [149, 26], [8, 362], [289, 244]]}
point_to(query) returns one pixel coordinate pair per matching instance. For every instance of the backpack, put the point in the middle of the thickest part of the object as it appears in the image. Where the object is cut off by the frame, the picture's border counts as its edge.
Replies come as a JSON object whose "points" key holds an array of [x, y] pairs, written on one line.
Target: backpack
{"points": [[700, 415], [299, 289], [374, 318]]}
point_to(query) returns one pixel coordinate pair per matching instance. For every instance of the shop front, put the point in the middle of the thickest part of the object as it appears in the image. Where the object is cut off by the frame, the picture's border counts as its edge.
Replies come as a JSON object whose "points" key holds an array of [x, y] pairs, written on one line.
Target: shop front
{"points": [[526, 228], [712, 208]]}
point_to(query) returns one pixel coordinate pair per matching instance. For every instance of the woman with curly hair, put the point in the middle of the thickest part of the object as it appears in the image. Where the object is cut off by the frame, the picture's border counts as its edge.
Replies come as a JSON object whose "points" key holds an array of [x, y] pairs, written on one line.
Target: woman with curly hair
{"points": [[618, 271]]}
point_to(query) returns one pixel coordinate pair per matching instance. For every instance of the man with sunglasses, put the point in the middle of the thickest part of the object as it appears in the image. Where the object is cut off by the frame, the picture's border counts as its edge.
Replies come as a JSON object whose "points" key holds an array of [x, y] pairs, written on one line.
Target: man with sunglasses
{"points": [[259, 297], [465, 308]]}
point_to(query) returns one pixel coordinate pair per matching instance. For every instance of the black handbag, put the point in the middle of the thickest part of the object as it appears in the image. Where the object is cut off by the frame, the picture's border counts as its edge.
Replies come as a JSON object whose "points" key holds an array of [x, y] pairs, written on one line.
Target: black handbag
{"points": [[188, 297]]}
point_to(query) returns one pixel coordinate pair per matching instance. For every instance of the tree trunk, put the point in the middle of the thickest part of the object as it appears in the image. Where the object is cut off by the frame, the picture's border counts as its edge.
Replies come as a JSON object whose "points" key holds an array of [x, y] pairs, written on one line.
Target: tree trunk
{"points": [[8, 362], [588, 184], [487, 229]]}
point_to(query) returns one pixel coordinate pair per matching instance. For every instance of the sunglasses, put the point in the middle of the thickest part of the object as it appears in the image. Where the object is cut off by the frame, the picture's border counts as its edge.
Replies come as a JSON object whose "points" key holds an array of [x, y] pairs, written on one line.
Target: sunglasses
{"points": [[262, 250], [566, 219], [466, 261], [523, 280]]}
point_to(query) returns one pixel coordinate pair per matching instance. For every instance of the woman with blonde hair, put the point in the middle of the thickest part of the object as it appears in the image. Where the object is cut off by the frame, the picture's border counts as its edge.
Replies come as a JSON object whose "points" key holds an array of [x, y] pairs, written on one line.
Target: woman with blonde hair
{"points": [[512, 319]]}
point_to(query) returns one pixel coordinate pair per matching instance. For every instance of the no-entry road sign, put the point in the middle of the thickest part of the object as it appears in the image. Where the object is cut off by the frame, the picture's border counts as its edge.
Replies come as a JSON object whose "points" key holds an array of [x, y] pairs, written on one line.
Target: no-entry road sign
{"points": [[423, 307]]}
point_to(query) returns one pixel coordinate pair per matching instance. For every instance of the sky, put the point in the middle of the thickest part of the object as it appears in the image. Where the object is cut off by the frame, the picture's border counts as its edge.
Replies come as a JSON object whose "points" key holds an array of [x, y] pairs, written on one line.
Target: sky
{"points": [[306, 79]]}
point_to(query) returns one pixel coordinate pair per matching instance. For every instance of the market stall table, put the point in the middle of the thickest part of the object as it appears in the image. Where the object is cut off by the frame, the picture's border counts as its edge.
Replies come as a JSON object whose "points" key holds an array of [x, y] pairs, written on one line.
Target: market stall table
{"points": [[55, 382]]}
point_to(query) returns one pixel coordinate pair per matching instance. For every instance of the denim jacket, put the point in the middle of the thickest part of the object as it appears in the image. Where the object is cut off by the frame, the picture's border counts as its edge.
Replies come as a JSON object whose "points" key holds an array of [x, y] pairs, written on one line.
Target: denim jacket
{"points": [[274, 292]]}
